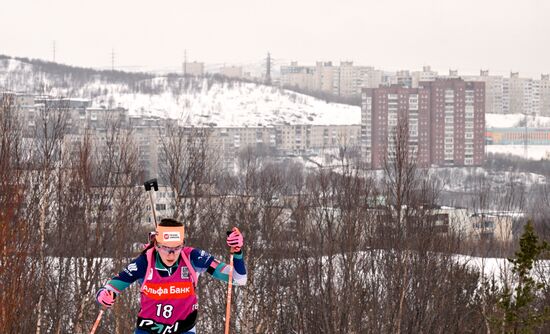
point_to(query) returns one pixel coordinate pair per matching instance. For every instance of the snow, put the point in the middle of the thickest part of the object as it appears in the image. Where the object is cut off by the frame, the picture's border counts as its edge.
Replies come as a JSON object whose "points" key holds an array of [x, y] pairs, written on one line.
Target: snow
{"points": [[500, 268], [489, 267], [534, 152], [241, 104], [215, 103], [515, 120]]}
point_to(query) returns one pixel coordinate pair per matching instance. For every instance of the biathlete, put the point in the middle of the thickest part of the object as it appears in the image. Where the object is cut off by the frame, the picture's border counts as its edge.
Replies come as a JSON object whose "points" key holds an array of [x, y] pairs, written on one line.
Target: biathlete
{"points": [[168, 273]]}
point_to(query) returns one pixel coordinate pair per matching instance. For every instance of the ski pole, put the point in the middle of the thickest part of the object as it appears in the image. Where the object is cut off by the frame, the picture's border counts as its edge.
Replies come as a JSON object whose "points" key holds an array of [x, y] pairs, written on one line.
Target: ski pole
{"points": [[228, 304], [97, 320], [152, 184]]}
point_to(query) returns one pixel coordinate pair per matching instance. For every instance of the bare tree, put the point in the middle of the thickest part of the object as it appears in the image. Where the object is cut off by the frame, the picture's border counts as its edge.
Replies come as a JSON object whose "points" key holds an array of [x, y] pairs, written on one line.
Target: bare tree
{"points": [[17, 233], [187, 164]]}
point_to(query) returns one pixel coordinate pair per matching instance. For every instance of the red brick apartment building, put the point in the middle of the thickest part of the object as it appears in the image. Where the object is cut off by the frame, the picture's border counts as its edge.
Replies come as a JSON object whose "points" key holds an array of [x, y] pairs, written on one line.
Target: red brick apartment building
{"points": [[445, 120]]}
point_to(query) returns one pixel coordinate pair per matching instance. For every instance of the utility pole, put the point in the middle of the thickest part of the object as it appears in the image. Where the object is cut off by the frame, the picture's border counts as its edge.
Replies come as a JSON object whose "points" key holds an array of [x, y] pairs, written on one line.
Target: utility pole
{"points": [[112, 59], [185, 62], [53, 51], [525, 136], [268, 69]]}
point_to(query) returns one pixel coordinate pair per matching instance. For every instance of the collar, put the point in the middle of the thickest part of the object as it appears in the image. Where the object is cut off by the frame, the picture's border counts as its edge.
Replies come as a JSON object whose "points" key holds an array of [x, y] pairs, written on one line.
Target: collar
{"points": [[159, 265]]}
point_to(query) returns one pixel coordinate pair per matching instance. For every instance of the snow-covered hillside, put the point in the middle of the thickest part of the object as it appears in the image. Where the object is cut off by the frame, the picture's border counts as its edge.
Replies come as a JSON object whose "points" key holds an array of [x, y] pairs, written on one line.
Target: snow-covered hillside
{"points": [[233, 104], [205, 101]]}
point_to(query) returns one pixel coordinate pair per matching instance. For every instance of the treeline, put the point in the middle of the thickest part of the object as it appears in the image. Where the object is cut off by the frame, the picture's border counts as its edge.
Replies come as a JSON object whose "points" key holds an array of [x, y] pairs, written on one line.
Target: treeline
{"points": [[508, 162], [327, 251], [80, 74], [72, 81], [354, 100]]}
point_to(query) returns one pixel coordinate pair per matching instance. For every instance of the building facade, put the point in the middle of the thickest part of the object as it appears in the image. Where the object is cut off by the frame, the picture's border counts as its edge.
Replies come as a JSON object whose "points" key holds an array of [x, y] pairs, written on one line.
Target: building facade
{"points": [[444, 122], [544, 95], [232, 71], [427, 74], [387, 109], [344, 80], [302, 77], [457, 122], [518, 136], [194, 68]]}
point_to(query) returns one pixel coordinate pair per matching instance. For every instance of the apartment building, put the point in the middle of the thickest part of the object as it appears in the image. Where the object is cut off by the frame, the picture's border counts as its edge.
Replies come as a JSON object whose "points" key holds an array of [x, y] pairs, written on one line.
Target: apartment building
{"points": [[403, 78], [375, 78], [307, 138], [427, 74], [298, 76], [457, 115], [387, 109], [194, 68], [343, 80], [473, 225], [494, 91], [326, 77], [232, 71], [524, 95], [351, 79], [444, 121], [544, 87], [284, 139]]}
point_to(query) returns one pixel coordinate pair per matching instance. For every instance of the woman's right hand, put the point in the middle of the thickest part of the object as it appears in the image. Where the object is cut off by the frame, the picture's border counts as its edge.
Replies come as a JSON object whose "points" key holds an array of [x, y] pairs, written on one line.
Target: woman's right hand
{"points": [[105, 297]]}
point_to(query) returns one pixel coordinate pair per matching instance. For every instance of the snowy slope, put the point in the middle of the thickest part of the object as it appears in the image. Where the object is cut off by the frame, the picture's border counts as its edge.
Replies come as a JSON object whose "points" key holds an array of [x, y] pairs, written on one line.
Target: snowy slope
{"points": [[237, 104], [204, 101]]}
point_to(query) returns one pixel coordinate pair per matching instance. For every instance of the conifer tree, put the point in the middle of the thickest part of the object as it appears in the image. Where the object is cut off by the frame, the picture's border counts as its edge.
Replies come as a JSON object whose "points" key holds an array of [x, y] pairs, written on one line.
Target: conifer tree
{"points": [[521, 314]]}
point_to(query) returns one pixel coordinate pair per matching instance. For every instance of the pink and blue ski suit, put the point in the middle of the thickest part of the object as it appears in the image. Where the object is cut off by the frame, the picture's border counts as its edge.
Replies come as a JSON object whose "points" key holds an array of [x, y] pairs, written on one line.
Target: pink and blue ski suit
{"points": [[169, 303]]}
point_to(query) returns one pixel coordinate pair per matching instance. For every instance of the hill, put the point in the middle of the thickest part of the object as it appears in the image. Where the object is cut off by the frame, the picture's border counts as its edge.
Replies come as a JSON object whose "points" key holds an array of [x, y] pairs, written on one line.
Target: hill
{"points": [[208, 100]]}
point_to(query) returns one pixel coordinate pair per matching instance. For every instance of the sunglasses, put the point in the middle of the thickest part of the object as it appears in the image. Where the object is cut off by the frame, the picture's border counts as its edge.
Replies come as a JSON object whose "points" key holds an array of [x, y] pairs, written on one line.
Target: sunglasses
{"points": [[169, 249]]}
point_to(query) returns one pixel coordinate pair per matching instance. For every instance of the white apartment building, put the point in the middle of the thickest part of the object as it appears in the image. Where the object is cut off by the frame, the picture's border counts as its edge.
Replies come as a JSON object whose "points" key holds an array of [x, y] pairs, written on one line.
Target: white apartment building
{"points": [[194, 69], [518, 95], [298, 76], [326, 77], [427, 74], [374, 79], [343, 80], [496, 226], [351, 79], [545, 95], [232, 71], [494, 91], [287, 138], [304, 138], [515, 95]]}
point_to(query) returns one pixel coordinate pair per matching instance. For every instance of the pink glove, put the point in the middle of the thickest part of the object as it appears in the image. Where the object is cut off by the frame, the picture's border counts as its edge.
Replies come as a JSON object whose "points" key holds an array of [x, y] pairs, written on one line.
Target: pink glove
{"points": [[105, 297], [235, 240]]}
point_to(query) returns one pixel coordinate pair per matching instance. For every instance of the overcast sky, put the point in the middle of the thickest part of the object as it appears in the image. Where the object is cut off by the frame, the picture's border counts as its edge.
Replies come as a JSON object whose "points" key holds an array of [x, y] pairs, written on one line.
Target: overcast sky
{"points": [[467, 35]]}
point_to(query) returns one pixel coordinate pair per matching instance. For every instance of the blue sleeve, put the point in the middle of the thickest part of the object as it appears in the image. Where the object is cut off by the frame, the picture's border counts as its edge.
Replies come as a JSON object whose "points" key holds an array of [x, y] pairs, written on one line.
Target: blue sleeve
{"points": [[134, 271], [202, 261]]}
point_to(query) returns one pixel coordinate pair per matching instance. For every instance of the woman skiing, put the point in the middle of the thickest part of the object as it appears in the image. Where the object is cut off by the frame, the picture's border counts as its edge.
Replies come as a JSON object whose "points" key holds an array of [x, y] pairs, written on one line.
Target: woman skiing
{"points": [[168, 273]]}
